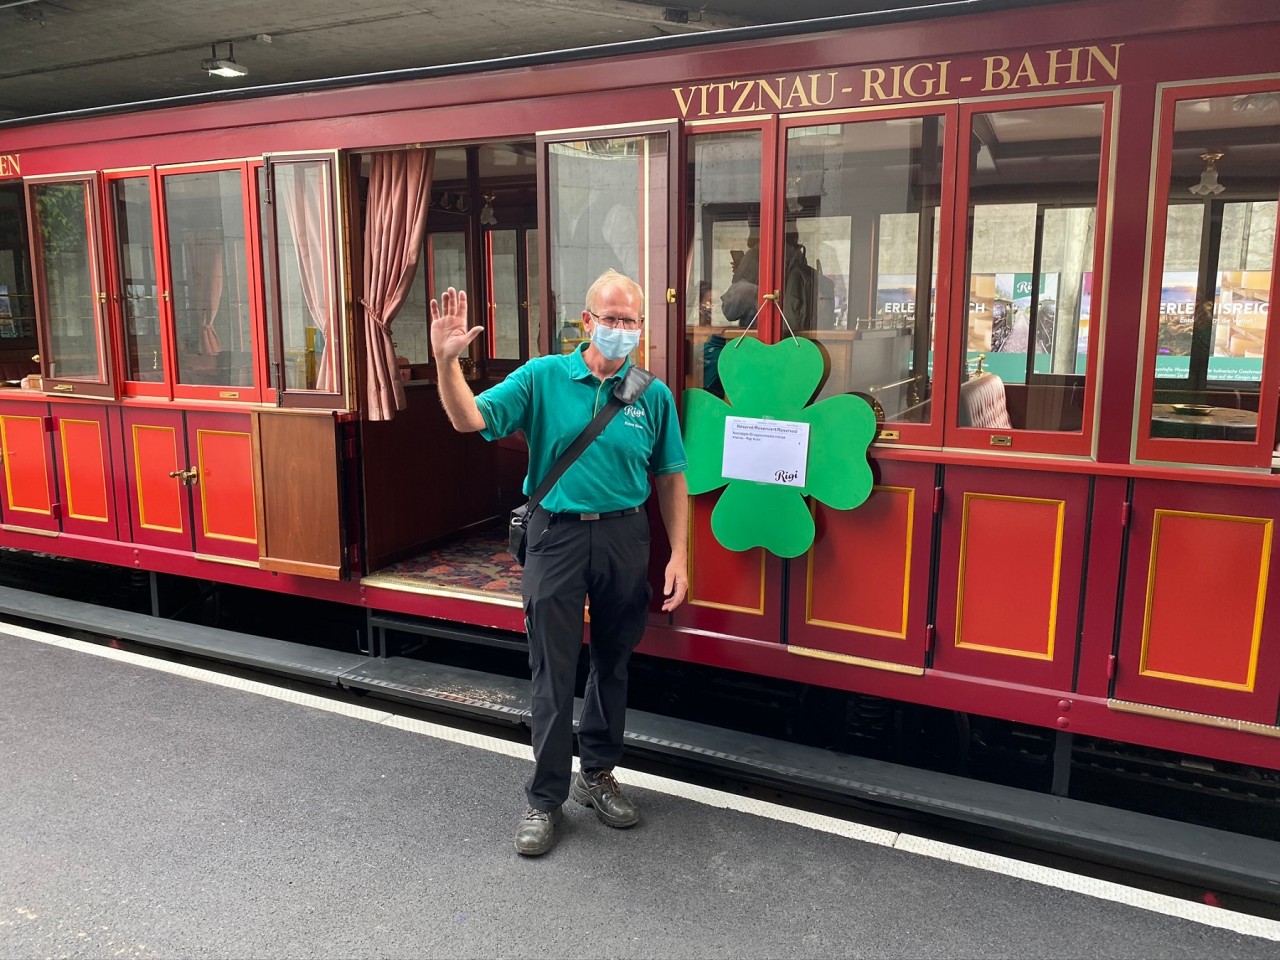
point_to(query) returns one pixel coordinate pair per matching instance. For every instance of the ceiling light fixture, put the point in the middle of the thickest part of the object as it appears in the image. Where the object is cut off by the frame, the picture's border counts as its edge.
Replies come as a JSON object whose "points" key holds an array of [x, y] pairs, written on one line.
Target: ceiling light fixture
{"points": [[1208, 185], [226, 66]]}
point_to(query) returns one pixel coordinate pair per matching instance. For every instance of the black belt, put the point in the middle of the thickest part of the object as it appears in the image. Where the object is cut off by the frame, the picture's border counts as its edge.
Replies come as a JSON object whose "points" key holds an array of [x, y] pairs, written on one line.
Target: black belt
{"points": [[594, 516]]}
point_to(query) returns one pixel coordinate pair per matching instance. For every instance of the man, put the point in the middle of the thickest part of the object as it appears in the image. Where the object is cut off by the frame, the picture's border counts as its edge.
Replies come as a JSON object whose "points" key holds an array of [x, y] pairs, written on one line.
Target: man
{"points": [[588, 539]]}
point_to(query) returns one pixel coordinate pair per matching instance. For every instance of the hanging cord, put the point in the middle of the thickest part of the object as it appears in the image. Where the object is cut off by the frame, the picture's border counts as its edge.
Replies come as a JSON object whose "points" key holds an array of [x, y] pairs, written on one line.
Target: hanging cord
{"points": [[775, 299]]}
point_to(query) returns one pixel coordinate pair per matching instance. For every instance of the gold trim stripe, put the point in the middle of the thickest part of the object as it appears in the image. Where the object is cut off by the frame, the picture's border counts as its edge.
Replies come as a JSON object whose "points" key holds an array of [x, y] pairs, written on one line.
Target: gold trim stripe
{"points": [[8, 474], [204, 485], [1185, 716], [711, 604], [34, 531], [66, 469], [886, 665]]}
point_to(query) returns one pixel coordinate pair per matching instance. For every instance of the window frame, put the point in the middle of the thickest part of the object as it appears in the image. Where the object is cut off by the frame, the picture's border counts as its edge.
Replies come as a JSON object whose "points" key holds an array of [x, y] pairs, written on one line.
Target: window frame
{"points": [[893, 433], [1015, 441], [1187, 450]]}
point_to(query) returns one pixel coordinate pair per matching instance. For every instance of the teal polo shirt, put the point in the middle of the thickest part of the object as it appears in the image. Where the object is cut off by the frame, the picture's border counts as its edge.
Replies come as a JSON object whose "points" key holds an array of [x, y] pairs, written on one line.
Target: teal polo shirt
{"points": [[552, 399]]}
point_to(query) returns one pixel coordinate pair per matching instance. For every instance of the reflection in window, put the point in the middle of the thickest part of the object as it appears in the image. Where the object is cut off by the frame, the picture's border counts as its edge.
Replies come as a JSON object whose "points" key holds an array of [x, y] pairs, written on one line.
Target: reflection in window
{"points": [[860, 251], [531, 293], [17, 304], [136, 262], [208, 268], [1033, 186], [64, 256], [504, 308], [722, 294]]}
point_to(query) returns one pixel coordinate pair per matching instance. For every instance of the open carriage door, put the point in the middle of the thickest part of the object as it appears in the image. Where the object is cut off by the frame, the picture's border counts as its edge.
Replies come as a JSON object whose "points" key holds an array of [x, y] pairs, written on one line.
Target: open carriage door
{"points": [[296, 454], [608, 201]]}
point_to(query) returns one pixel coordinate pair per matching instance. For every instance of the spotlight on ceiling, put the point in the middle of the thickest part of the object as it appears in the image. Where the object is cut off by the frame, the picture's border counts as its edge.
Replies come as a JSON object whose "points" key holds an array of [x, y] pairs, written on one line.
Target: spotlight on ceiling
{"points": [[217, 66]]}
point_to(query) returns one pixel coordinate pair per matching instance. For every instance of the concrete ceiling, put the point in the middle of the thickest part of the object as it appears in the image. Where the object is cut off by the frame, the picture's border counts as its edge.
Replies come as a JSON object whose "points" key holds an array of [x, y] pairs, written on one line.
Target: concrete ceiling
{"points": [[61, 55]]}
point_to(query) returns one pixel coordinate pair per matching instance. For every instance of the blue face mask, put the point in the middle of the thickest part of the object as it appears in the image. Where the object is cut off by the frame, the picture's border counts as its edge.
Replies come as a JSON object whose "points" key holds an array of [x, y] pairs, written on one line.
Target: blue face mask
{"points": [[616, 343]]}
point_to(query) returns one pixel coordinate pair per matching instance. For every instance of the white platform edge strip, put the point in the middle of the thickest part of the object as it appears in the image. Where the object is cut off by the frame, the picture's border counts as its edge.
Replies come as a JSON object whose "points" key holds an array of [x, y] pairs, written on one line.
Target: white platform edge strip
{"points": [[1046, 876]]}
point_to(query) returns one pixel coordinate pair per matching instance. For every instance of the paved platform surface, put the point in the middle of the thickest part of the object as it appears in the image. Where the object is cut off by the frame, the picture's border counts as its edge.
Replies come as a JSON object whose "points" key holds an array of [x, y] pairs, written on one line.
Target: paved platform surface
{"points": [[146, 814]]}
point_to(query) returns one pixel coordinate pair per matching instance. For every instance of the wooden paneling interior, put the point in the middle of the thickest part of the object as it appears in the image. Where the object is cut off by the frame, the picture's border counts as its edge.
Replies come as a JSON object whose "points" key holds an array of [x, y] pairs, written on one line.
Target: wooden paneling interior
{"points": [[423, 480], [296, 462]]}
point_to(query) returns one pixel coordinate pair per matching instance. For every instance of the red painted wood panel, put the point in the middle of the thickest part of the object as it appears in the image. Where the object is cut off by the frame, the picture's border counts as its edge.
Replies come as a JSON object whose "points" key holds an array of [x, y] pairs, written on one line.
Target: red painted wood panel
{"points": [[221, 451], [1190, 549], [1010, 572], [721, 577], [1009, 575], [83, 445], [1201, 595], [863, 588], [28, 499], [155, 447]]}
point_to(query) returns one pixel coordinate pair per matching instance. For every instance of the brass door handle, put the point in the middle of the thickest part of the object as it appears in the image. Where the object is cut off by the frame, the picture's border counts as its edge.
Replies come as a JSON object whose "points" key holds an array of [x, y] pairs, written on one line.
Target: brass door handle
{"points": [[188, 476]]}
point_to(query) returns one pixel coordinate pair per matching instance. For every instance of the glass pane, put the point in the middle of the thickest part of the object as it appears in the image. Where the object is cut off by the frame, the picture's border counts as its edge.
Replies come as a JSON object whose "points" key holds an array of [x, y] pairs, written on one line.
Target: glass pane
{"points": [[136, 260], [17, 304], [304, 244], [411, 332], [531, 292], [860, 252], [505, 310], [1219, 241], [722, 296], [208, 273], [64, 247], [608, 210], [268, 300], [1032, 233]]}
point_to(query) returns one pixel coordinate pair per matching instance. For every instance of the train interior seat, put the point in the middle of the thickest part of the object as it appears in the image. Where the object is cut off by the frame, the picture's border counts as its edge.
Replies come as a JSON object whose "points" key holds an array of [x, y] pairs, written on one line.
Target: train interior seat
{"points": [[982, 403]]}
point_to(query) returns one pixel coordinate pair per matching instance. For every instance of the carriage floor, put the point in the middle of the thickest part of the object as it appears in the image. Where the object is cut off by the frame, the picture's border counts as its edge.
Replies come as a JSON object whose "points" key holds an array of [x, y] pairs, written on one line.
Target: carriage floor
{"points": [[476, 565]]}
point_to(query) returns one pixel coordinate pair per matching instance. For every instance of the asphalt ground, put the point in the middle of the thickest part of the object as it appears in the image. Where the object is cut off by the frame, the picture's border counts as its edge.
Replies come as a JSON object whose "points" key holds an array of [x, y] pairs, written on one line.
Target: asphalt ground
{"points": [[149, 809]]}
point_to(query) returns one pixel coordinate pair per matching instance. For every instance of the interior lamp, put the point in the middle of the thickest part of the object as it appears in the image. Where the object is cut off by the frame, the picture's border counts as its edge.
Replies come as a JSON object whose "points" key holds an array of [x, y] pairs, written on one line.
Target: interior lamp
{"points": [[486, 212], [1209, 185], [226, 66]]}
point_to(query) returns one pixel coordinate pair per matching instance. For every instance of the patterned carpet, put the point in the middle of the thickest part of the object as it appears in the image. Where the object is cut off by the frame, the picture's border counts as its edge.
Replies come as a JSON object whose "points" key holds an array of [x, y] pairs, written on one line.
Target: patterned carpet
{"points": [[478, 564]]}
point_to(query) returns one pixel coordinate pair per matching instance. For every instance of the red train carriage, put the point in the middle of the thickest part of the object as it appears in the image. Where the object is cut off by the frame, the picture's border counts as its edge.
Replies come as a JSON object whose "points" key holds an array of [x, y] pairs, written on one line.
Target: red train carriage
{"points": [[1040, 243]]}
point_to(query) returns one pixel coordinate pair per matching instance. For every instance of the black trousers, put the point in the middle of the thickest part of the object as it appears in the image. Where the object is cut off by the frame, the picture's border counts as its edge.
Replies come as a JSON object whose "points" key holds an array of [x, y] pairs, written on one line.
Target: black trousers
{"points": [[567, 563]]}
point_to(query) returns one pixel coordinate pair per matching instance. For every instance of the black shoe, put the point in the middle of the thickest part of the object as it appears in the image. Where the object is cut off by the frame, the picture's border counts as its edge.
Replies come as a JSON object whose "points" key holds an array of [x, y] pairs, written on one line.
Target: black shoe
{"points": [[599, 789], [536, 832]]}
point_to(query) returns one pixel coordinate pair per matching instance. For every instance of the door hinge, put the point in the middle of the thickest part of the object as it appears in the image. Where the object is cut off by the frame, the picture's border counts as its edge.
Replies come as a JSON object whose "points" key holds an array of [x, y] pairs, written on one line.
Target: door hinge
{"points": [[353, 556], [50, 424], [937, 500], [348, 448], [1111, 667], [930, 633], [1126, 510], [55, 511]]}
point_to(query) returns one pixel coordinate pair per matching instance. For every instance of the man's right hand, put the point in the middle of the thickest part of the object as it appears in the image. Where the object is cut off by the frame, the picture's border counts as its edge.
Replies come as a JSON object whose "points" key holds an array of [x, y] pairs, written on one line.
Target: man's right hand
{"points": [[450, 337]]}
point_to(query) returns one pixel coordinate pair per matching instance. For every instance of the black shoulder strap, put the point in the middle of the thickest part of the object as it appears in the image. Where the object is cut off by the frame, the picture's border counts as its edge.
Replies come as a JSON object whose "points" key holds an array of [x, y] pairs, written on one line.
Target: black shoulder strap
{"points": [[627, 391]]}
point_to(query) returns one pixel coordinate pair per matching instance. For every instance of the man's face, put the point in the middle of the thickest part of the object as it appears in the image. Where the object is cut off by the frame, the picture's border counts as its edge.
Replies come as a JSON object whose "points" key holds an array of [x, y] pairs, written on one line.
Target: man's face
{"points": [[614, 300]]}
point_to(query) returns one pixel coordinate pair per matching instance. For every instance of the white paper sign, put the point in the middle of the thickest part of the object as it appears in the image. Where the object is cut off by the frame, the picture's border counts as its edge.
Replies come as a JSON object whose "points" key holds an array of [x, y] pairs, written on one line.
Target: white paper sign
{"points": [[767, 451]]}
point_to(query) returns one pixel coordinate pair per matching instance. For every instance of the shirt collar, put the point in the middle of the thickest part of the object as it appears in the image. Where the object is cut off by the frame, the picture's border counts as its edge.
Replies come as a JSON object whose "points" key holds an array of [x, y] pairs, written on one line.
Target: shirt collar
{"points": [[579, 370]]}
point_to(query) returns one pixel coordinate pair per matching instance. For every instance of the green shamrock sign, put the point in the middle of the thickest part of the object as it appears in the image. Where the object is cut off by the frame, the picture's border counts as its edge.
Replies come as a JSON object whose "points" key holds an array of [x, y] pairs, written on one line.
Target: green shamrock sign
{"points": [[772, 448]]}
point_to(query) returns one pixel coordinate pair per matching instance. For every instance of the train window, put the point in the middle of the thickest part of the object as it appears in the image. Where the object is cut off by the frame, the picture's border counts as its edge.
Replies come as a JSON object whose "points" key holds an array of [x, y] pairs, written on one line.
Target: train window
{"points": [[860, 255], [72, 296], [208, 278], [301, 269], [513, 336], [1033, 185], [723, 220], [17, 302], [1207, 364], [135, 253]]}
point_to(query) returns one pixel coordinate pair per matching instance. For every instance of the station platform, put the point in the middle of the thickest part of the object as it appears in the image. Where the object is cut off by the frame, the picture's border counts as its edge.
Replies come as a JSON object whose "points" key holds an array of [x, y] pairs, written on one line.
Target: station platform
{"points": [[157, 809]]}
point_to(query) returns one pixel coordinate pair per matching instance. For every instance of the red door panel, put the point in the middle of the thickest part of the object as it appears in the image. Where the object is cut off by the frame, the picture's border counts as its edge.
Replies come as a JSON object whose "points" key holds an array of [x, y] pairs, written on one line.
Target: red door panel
{"points": [[84, 471], [29, 497], [155, 454], [862, 590], [1201, 596], [1009, 577], [220, 451]]}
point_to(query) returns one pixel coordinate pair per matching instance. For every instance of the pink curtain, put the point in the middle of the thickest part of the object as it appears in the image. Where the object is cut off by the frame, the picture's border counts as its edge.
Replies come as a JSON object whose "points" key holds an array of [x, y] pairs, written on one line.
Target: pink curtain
{"points": [[203, 252], [305, 208], [395, 216]]}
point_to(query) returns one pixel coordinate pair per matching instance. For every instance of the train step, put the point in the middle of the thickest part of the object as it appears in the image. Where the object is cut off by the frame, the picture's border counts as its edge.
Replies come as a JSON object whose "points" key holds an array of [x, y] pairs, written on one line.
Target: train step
{"points": [[1216, 859]]}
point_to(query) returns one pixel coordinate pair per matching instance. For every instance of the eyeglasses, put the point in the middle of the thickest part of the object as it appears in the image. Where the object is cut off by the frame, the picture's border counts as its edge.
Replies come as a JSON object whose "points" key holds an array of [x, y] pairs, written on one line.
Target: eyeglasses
{"points": [[612, 322]]}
